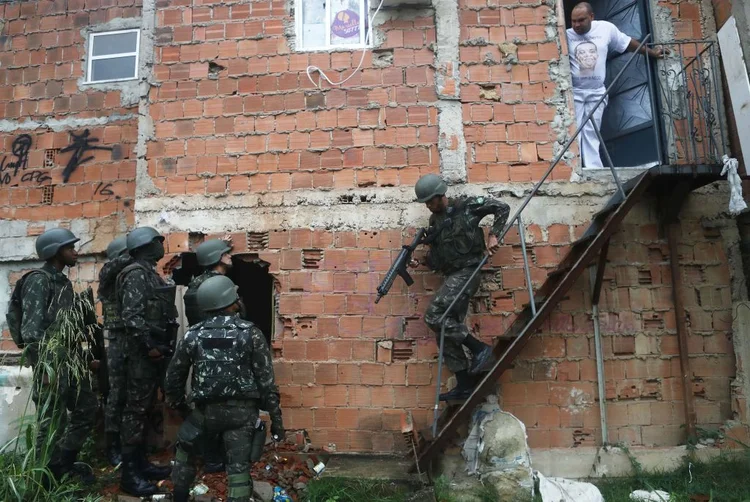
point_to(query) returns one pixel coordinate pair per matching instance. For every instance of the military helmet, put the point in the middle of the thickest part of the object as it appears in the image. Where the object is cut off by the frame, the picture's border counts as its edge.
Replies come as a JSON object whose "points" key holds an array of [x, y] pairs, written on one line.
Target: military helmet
{"points": [[210, 252], [117, 247], [141, 236], [50, 242], [216, 293], [429, 186]]}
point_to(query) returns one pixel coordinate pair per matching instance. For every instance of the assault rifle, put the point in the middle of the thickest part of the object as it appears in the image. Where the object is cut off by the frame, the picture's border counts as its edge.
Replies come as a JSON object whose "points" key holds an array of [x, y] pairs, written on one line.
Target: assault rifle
{"points": [[399, 266]]}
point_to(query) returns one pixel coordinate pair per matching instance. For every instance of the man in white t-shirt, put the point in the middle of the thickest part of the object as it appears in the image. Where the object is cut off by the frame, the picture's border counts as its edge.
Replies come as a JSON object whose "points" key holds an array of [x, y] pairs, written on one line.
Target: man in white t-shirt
{"points": [[589, 43]]}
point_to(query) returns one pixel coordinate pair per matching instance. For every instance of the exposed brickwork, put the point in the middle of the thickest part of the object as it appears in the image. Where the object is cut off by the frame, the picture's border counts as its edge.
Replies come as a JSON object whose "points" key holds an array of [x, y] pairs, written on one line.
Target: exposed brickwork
{"points": [[262, 125], [234, 113]]}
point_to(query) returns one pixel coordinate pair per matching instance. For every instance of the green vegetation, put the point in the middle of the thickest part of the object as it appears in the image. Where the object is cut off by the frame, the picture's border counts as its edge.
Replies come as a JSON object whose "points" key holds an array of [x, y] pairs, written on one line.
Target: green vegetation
{"points": [[723, 479], [24, 460], [355, 490]]}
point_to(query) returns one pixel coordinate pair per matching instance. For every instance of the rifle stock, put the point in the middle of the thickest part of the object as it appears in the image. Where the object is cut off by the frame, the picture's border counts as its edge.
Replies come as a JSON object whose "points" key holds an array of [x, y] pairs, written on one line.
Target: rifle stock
{"points": [[398, 268]]}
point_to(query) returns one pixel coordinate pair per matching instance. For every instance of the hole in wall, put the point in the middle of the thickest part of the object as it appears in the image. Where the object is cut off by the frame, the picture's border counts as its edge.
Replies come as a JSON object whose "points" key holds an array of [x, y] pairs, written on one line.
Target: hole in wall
{"points": [[256, 286]]}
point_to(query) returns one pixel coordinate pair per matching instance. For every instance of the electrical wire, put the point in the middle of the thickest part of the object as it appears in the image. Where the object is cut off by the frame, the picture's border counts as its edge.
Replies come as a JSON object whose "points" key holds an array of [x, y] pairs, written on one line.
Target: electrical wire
{"points": [[368, 40]]}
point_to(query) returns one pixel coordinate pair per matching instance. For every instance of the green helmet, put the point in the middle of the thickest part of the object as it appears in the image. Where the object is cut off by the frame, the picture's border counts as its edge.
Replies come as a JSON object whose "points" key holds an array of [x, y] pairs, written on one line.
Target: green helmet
{"points": [[50, 242], [141, 236], [117, 247], [210, 252], [216, 293], [429, 186]]}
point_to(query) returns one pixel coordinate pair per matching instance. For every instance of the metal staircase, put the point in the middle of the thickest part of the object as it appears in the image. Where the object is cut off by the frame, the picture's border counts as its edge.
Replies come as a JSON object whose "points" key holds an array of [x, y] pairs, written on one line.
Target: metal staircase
{"points": [[671, 183]]}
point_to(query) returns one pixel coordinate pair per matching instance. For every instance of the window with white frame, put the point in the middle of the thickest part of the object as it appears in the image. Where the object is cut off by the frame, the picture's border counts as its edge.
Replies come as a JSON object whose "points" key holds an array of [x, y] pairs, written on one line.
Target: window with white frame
{"points": [[113, 56], [331, 24]]}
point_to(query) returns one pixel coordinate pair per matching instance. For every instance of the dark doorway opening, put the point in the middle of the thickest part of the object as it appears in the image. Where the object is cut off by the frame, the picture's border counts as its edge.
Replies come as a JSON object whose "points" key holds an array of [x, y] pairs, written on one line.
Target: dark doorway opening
{"points": [[256, 286], [629, 126]]}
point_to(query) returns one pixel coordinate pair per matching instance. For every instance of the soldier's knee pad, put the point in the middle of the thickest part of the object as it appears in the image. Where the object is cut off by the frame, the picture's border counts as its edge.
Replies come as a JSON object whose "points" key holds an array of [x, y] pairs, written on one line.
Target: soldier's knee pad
{"points": [[239, 485], [188, 437]]}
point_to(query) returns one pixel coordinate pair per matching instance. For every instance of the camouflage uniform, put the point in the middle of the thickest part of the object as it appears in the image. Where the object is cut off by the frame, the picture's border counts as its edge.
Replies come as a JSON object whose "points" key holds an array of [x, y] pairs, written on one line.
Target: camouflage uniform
{"points": [[44, 295], [148, 314], [232, 378], [114, 331], [211, 447], [457, 246]]}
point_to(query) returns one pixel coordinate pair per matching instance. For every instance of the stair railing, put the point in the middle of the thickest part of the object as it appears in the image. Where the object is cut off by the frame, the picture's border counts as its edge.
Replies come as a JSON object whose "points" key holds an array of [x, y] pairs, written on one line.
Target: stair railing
{"points": [[516, 219]]}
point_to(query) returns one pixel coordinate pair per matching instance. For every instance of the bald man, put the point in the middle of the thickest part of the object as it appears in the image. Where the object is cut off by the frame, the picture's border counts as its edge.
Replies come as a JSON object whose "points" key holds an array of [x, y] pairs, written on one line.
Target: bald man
{"points": [[589, 42]]}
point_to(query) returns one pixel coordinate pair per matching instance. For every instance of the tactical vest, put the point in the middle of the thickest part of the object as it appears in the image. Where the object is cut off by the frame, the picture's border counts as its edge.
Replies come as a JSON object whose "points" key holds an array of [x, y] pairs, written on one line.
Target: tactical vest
{"points": [[458, 242], [161, 312], [192, 311], [223, 361], [108, 293]]}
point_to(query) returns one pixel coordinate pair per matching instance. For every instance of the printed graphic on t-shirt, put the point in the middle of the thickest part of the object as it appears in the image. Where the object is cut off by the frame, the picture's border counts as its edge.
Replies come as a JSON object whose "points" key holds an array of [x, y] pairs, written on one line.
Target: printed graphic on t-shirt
{"points": [[588, 53]]}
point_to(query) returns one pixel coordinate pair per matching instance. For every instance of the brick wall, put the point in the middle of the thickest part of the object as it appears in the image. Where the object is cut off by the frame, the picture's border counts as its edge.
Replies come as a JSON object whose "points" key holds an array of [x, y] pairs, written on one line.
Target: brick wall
{"points": [[235, 116], [257, 123]]}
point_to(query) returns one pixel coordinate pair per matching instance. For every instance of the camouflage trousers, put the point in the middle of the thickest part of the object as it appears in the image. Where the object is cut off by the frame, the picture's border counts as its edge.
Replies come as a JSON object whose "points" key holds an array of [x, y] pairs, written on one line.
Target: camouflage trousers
{"points": [[455, 324], [143, 377], [113, 409], [233, 422], [53, 401]]}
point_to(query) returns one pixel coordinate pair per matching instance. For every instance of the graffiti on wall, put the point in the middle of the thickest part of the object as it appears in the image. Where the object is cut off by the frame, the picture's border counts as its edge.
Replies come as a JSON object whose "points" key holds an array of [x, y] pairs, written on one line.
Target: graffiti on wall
{"points": [[14, 166], [18, 163], [81, 143]]}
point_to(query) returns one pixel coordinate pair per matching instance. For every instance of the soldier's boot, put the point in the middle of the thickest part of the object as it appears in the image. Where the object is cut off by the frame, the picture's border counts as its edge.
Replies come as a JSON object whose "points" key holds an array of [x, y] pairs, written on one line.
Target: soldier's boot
{"points": [[462, 390], [113, 449], [481, 355], [213, 467], [180, 495], [67, 465], [149, 470], [132, 481]]}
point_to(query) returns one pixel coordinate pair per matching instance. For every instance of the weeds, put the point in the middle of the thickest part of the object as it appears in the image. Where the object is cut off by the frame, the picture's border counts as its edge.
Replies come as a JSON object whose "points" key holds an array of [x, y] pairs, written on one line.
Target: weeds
{"points": [[60, 362], [355, 490], [720, 479]]}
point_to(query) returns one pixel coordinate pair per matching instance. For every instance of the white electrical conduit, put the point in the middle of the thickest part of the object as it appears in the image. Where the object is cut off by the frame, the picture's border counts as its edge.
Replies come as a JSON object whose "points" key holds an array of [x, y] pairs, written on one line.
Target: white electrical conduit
{"points": [[368, 40]]}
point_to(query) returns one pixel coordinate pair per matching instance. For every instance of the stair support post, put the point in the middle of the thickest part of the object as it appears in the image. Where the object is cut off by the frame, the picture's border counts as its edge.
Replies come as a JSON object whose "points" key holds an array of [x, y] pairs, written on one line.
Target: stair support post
{"points": [[597, 276], [671, 224], [673, 229]]}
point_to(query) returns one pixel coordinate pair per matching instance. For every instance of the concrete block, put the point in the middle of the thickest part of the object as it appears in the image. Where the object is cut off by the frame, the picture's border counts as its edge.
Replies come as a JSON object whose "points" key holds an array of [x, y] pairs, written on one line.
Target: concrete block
{"points": [[262, 491]]}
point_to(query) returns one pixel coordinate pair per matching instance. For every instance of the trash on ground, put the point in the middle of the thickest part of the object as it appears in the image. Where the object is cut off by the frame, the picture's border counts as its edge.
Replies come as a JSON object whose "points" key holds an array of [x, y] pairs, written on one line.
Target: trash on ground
{"points": [[650, 496], [567, 490]]}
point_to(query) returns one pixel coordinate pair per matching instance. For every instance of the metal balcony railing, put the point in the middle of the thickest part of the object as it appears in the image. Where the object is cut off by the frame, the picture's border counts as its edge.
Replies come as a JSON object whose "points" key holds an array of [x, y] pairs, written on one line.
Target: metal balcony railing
{"points": [[690, 113]]}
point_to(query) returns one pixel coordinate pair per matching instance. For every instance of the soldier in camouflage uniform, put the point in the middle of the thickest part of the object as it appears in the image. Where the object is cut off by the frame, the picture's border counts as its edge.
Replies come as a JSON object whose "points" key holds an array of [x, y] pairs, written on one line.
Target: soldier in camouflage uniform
{"points": [[213, 255], [232, 378], [146, 306], [457, 246], [45, 293], [117, 254]]}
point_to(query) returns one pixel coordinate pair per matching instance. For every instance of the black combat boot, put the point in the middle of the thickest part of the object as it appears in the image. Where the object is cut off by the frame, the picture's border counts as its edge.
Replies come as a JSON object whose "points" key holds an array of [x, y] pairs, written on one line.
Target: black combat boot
{"points": [[113, 449], [481, 355], [132, 481], [180, 495], [213, 467], [68, 465], [462, 390], [149, 470]]}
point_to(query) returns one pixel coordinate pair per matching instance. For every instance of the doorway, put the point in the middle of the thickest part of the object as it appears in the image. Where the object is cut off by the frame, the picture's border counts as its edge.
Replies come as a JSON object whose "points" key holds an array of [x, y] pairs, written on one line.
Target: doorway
{"points": [[629, 128], [255, 283]]}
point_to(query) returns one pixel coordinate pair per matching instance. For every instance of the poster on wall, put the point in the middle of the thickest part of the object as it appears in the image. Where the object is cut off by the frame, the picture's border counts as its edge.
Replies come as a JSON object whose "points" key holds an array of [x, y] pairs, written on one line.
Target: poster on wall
{"points": [[345, 22]]}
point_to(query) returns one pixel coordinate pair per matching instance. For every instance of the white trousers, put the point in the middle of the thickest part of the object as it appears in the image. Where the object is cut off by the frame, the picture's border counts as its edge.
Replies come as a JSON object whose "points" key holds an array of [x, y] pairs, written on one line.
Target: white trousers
{"points": [[588, 141]]}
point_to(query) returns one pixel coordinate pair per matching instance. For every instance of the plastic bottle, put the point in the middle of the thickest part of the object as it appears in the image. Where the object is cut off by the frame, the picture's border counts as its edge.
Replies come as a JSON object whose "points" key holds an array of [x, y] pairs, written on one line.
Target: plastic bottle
{"points": [[280, 495]]}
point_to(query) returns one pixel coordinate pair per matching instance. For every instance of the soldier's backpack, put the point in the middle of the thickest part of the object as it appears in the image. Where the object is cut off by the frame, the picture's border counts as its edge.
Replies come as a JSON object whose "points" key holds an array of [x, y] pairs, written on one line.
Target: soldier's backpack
{"points": [[14, 317]]}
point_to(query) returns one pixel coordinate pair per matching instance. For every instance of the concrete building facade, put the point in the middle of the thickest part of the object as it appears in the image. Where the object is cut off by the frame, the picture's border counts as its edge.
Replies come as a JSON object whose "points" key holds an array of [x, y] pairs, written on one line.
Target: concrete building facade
{"points": [[228, 129]]}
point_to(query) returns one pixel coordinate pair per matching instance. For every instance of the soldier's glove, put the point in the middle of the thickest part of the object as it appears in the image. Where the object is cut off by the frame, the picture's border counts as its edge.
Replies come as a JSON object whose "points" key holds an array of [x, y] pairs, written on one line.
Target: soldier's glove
{"points": [[155, 350], [277, 432]]}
